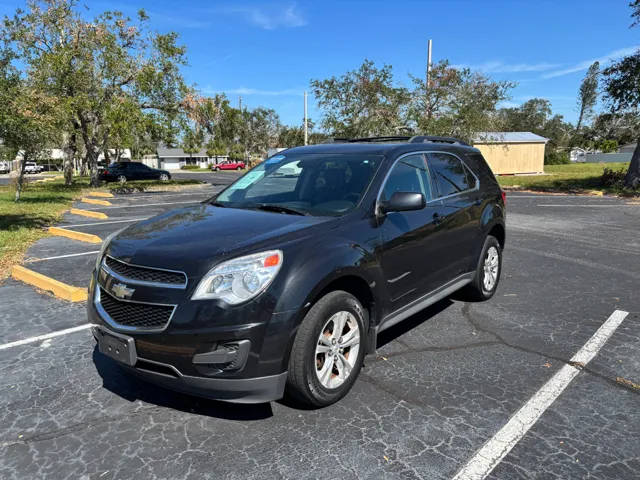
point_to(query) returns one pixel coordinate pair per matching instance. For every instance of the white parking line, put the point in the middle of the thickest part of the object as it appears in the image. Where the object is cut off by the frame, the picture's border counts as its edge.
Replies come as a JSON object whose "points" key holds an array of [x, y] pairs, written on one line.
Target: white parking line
{"points": [[492, 453], [104, 223], [47, 336], [93, 252]]}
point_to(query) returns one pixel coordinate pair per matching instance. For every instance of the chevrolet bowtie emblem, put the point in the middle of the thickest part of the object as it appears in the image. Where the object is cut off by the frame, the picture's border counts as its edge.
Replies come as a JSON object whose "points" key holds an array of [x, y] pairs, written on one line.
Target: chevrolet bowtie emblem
{"points": [[122, 291]]}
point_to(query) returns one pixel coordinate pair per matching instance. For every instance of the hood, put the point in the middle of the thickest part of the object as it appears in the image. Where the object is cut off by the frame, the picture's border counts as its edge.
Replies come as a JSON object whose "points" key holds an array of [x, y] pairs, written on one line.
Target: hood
{"points": [[191, 239]]}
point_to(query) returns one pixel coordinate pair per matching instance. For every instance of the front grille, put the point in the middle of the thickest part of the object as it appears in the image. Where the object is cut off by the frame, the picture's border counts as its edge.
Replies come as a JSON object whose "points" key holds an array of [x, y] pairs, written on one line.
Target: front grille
{"points": [[136, 315], [145, 274]]}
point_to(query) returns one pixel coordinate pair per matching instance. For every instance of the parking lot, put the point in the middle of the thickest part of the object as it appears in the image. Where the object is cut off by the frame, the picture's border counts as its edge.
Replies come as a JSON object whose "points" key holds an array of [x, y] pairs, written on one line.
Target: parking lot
{"points": [[442, 386]]}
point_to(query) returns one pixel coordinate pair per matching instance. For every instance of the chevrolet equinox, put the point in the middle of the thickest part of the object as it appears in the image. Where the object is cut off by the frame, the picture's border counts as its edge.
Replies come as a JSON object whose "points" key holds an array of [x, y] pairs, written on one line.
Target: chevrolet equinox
{"points": [[281, 283]]}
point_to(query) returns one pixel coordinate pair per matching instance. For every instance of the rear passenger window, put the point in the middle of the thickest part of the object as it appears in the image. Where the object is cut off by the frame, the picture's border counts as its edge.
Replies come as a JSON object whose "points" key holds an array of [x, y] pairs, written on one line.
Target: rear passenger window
{"points": [[449, 174], [409, 174]]}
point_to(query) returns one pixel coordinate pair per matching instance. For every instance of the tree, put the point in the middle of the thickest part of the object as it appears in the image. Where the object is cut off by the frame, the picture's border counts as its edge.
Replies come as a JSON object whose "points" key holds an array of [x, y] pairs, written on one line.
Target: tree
{"points": [[622, 127], [192, 141], [588, 93], [362, 102], [216, 148], [259, 130], [457, 102], [294, 136], [536, 116], [622, 91], [96, 67], [28, 121]]}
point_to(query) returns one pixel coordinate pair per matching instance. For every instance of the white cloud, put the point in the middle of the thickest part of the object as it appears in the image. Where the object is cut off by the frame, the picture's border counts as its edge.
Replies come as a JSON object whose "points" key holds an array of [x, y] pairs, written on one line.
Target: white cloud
{"points": [[616, 54], [271, 18], [501, 67]]}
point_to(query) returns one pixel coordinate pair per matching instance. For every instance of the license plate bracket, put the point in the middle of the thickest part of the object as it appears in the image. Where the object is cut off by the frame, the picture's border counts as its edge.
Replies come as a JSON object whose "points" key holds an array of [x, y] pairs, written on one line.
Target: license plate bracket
{"points": [[119, 347]]}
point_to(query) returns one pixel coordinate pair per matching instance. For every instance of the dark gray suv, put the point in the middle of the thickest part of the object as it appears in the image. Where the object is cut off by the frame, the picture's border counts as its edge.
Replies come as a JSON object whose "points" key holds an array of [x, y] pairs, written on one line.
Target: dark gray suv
{"points": [[281, 283]]}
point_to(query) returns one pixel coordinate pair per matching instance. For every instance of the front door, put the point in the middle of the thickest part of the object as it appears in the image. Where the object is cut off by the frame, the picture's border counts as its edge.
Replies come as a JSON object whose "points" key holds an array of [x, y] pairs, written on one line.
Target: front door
{"points": [[410, 239]]}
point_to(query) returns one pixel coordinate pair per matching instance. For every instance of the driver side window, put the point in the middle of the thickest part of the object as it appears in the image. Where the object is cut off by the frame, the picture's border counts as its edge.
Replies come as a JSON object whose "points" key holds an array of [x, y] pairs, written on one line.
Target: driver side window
{"points": [[409, 174]]}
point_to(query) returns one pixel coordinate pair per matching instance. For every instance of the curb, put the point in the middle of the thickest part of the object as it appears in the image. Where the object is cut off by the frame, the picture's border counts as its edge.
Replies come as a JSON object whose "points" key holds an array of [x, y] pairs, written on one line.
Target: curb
{"points": [[88, 213], [59, 289], [95, 202], [83, 237], [100, 194]]}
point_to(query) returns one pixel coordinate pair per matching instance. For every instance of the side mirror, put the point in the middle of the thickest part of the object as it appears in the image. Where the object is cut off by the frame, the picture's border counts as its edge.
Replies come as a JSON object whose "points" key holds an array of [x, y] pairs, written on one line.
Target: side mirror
{"points": [[403, 202]]}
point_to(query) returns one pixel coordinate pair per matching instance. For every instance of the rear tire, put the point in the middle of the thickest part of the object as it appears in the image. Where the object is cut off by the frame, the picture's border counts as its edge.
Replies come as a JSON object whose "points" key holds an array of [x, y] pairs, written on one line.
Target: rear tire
{"points": [[485, 282], [239, 168], [328, 350], [122, 179]]}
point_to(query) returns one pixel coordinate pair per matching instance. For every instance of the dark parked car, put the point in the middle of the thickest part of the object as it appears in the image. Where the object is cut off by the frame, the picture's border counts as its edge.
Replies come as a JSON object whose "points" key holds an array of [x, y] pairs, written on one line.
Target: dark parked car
{"points": [[282, 282], [124, 171]]}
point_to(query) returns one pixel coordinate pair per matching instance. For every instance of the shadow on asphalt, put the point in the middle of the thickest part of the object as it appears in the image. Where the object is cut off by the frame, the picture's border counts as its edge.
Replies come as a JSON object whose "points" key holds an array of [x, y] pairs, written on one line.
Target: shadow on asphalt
{"points": [[412, 322], [131, 388]]}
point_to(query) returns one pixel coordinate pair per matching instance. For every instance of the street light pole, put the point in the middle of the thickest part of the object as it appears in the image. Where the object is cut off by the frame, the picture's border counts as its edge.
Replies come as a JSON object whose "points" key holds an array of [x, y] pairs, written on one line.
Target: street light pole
{"points": [[306, 134], [428, 76]]}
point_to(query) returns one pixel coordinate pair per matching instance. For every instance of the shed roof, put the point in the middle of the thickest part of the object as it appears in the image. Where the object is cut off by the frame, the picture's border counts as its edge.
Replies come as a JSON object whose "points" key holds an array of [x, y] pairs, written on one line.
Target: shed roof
{"points": [[509, 137]]}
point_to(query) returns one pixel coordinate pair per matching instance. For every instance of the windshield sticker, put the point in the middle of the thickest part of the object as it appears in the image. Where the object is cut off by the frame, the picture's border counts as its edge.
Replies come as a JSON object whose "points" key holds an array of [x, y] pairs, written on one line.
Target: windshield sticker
{"points": [[247, 180], [275, 159]]}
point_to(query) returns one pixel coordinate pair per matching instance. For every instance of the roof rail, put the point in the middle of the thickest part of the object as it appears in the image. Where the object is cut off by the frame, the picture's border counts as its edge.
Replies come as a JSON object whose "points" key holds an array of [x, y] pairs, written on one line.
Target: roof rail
{"points": [[436, 139], [400, 138], [394, 138], [389, 138]]}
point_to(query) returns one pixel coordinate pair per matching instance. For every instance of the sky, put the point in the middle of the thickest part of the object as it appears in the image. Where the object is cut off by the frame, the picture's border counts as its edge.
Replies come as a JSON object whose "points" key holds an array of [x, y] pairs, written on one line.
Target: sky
{"points": [[268, 51]]}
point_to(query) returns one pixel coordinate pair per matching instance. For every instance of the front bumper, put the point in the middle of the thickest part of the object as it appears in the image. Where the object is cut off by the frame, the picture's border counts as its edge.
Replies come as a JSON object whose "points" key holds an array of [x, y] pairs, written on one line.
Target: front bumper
{"points": [[189, 354]]}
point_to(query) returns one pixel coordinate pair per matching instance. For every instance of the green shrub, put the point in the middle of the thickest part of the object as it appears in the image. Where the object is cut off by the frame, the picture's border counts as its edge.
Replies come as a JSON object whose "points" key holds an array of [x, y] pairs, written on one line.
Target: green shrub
{"points": [[552, 157], [613, 178], [190, 167]]}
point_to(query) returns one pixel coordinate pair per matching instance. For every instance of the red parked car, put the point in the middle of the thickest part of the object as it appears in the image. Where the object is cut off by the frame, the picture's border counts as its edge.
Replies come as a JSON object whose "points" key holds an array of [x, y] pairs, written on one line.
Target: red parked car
{"points": [[229, 165]]}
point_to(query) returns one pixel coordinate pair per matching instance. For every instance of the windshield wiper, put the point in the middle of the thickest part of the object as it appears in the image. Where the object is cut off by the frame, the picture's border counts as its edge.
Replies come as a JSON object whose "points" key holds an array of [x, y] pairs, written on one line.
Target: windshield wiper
{"points": [[269, 207]]}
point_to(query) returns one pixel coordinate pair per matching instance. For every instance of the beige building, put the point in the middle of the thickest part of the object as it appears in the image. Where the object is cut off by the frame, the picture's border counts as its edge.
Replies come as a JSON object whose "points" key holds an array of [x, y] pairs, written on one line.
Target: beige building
{"points": [[509, 153]]}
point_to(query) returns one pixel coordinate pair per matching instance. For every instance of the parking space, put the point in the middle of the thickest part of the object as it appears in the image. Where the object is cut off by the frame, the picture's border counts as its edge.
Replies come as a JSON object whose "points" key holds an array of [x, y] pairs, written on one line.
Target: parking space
{"points": [[441, 386]]}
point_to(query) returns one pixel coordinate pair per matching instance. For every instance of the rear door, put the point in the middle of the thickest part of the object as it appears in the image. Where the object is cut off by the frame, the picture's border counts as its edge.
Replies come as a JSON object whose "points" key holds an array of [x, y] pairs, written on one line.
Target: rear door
{"points": [[458, 189], [410, 240]]}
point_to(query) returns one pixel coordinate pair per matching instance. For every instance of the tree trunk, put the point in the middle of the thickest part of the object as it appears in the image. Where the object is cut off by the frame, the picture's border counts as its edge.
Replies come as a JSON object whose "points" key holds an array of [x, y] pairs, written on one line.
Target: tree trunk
{"points": [[20, 179], [92, 159], [69, 156], [632, 179]]}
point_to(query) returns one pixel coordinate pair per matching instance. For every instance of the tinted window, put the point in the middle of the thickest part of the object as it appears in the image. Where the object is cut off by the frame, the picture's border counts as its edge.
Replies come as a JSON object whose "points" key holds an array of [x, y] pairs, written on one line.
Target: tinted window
{"points": [[409, 174], [317, 184], [449, 174]]}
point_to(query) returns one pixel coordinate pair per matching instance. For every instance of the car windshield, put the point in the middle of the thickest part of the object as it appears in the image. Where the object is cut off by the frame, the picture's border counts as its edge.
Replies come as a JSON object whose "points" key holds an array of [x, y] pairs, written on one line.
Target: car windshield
{"points": [[307, 184]]}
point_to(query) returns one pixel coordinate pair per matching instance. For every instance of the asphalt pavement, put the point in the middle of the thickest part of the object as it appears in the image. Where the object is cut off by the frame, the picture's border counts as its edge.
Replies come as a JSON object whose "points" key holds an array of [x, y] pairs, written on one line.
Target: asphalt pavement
{"points": [[441, 386]]}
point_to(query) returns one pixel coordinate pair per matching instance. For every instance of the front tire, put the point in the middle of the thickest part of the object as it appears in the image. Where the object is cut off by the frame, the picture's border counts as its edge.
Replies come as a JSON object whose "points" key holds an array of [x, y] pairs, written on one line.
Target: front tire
{"points": [[164, 177], [328, 350], [485, 282], [122, 179]]}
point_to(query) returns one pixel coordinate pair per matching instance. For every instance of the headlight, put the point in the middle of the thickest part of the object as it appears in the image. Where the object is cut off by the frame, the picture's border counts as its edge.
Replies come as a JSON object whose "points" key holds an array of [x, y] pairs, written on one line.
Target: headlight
{"points": [[240, 279], [104, 246]]}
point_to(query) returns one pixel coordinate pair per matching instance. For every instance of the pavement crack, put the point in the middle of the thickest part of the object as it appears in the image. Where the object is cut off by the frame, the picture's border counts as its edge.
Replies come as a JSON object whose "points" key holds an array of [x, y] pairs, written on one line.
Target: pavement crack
{"points": [[466, 313]]}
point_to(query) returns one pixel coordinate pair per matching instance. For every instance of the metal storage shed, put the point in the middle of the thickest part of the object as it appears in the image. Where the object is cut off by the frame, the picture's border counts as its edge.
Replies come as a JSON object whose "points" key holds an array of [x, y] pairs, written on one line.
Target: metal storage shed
{"points": [[512, 152]]}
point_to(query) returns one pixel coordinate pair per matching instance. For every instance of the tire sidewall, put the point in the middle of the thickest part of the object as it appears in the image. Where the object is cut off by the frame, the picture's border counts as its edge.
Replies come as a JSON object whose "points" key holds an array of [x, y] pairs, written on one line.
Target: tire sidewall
{"points": [[489, 242], [342, 301]]}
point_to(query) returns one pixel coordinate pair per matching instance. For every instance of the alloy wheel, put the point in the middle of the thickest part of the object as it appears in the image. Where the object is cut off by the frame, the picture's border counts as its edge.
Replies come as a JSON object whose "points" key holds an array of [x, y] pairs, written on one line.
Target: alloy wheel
{"points": [[491, 269], [337, 349]]}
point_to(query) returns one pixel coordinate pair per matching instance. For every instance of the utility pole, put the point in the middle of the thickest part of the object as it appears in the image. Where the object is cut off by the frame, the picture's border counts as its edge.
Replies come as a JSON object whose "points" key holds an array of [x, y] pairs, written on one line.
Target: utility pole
{"points": [[306, 135], [428, 76], [240, 102]]}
